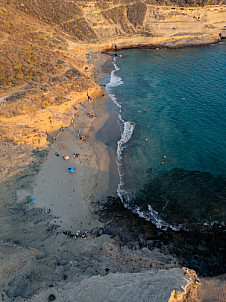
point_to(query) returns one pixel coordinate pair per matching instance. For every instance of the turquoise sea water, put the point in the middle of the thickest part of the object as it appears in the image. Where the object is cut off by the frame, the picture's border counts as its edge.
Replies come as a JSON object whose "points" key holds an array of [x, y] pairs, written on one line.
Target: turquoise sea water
{"points": [[172, 111]]}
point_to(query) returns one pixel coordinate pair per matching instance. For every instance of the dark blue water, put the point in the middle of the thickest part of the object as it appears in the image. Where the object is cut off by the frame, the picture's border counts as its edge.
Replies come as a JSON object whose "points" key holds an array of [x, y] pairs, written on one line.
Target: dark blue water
{"points": [[171, 156]]}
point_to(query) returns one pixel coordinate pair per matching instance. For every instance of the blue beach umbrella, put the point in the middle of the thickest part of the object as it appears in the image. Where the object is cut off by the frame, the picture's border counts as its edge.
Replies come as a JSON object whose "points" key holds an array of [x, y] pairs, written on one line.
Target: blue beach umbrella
{"points": [[33, 200]]}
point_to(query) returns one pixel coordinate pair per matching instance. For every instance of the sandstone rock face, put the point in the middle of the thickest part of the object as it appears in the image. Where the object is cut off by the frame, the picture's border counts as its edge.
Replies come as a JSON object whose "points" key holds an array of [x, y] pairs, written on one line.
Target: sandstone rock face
{"points": [[49, 36], [47, 69], [93, 20], [47, 47], [45, 44], [147, 286]]}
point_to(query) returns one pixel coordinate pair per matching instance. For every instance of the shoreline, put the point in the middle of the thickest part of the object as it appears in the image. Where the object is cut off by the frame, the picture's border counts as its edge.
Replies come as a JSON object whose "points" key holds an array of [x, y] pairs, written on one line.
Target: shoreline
{"points": [[89, 183], [32, 232], [191, 290], [99, 243], [171, 44]]}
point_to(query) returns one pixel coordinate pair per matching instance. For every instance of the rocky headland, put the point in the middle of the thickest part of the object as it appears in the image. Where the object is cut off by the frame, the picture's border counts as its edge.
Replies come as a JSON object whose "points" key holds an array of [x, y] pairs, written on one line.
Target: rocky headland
{"points": [[50, 62]]}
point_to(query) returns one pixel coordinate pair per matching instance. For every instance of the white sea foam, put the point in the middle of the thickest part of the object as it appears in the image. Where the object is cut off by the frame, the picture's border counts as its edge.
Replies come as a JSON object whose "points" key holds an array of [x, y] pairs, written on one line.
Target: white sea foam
{"points": [[126, 134], [125, 137], [153, 216], [126, 128]]}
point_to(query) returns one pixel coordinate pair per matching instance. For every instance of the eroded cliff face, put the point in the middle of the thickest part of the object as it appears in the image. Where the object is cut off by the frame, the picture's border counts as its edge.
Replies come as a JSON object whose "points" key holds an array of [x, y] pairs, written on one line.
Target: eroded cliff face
{"points": [[53, 37], [47, 64], [49, 35], [93, 21], [48, 48]]}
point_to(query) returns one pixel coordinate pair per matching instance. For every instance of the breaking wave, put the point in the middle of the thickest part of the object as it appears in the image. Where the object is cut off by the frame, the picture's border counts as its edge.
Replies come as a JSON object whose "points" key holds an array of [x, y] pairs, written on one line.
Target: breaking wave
{"points": [[127, 129]]}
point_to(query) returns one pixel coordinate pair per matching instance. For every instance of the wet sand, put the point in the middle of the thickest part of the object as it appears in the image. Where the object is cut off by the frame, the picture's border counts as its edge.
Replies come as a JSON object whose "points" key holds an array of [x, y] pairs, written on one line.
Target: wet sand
{"points": [[39, 261], [69, 196]]}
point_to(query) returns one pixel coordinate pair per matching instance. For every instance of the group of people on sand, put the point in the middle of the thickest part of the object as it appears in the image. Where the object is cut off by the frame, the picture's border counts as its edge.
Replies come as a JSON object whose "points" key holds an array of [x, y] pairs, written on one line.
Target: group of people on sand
{"points": [[66, 157], [79, 136], [69, 234], [76, 235], [76, 155], [90, 114], [90, 98]]}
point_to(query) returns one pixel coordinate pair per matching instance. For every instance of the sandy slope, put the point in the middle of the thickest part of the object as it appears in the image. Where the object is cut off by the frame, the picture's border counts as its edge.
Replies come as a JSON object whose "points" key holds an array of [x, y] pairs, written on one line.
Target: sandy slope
{"points": [[154, 286], [69, 196], [35, 256]]}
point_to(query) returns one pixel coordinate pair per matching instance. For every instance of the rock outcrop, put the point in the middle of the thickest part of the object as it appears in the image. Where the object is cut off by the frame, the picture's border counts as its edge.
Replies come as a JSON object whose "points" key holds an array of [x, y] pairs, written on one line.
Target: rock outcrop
{"points": [[47, 47], [50, 35], [47, 69]]}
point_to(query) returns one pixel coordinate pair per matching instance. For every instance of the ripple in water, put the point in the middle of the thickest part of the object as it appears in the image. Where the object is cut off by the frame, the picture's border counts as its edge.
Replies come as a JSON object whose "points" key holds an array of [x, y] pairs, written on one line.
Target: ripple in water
{"points": [[171, 155]]}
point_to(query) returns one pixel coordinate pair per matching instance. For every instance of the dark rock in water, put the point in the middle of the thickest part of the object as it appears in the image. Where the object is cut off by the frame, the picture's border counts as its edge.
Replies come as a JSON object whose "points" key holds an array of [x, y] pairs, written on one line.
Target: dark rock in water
{"points": [[201, 249], [184, 197]]}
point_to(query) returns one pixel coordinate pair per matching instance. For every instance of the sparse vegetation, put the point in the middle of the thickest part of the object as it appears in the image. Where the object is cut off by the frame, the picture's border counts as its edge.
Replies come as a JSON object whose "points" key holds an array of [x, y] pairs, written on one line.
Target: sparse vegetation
{"points": [[34, 52]]}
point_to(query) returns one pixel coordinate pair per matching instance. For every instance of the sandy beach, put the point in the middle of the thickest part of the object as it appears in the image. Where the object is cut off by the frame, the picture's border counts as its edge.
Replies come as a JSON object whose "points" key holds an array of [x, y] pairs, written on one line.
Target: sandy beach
{"points": [[51, 60], [43, 261], [66, 203], [69, 196]]}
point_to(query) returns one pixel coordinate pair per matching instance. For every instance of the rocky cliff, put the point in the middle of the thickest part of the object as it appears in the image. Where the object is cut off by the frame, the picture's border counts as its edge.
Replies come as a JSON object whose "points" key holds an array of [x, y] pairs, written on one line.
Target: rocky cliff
{"points": [[47, 48], [53, 37], [48, 52], [41, 31]]}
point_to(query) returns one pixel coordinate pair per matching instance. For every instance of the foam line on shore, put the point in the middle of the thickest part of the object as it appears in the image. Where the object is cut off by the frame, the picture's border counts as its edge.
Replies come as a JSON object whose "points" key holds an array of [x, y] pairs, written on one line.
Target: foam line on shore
{"points": [[127, 129]]}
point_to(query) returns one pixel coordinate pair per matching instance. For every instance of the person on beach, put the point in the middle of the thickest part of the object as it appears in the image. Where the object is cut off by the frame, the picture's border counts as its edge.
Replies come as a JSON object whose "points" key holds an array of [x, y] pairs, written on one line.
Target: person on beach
{"points": [[76, 155], [84, 235], [32, 200]]}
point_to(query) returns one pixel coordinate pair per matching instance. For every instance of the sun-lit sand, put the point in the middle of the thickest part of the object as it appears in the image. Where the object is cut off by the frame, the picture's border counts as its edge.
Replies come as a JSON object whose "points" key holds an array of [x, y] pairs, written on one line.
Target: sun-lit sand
{"points": [[69, 195]]}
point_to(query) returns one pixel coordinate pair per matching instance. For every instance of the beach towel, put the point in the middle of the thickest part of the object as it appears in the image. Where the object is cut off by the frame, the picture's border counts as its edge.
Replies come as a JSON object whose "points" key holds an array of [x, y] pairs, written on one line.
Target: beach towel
{"points": [[71, 170]]}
